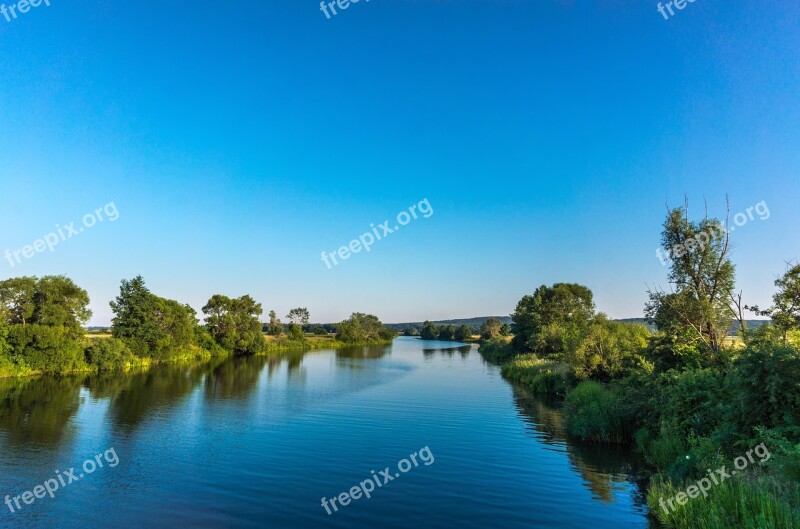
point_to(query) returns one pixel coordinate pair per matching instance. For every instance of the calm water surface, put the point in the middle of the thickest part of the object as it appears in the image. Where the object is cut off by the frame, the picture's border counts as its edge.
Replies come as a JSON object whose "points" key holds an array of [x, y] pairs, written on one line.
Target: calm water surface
{"points": [[257, 442]]}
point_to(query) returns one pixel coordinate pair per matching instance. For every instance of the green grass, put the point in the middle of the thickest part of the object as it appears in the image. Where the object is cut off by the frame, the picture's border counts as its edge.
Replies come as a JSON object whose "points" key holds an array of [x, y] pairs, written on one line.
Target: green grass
{"points": [[742, 502], [594, 413], [546, 377]]}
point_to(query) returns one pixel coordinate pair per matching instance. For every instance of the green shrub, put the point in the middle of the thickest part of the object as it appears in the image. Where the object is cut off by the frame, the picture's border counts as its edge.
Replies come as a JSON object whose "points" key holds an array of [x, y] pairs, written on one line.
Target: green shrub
{"points": [[46, 349], [539, 376], [595, 413], [753, 501], [496, 349], [109, 354]]}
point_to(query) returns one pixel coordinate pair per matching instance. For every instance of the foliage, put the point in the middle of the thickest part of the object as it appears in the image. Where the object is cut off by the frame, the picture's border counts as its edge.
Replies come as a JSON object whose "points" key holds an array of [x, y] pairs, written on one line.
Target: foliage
{"points": [[703, 279], [595, 413], [785, 312], [109, 354], [234, 323], [752, 501], [463, 333], [363, 328], [151, 326], [610, 350], [497, 350], [429, 331], [275, 327], [447, 332], [553, 320], [299, 316], [45, 349], [296, 332], [539, 375], [491, 328]]}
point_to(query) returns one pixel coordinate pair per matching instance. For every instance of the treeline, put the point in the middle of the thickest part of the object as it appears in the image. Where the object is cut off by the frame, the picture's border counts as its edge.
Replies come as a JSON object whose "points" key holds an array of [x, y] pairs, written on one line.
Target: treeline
{"points": [[42, 319], [687, 396], [491, 328]]}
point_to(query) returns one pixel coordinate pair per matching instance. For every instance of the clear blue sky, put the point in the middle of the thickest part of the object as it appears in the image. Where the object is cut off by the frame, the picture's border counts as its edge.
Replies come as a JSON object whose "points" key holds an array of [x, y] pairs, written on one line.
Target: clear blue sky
{"points": [[239, 140]]}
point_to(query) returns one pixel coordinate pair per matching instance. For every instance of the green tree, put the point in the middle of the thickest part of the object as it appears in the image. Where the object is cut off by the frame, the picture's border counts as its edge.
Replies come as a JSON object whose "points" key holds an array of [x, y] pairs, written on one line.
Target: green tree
{"points": [[299, 316], [553, 320], [363, 328], [275, 327], [491, 328], [703, 279], [296, 333], [463, 333], [785, 312], [58, 302], [134, 320], [447, 332], [234, 323], [16, 295], [610, 350], [429, 331]]}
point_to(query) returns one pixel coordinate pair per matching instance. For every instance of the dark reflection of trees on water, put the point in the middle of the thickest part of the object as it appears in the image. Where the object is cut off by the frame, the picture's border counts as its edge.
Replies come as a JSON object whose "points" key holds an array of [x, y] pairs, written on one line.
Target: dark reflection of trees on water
{"points": [[235, 378], [38, 411], [604, 468], [135, 396], [447, 351]]}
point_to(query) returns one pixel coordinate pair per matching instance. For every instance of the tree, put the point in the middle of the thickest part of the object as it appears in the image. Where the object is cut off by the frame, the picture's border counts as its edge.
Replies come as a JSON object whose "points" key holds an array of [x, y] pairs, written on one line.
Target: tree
{"points": [[429, 331], [58, 302], [785, 312], [296, 333], [552, 320], [702, 276], [610, 349], [275, 327], [363, 328], [299, 316], [447, 332], [16, 295], [491, 328], [234, 323], [52, 301], [134, 320], [463, 333]]}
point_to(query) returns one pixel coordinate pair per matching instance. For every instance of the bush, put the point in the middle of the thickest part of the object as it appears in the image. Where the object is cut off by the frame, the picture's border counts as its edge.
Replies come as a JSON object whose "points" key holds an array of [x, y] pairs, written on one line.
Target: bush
{"points": [[497, 349], [46, 349], [745, 502], [595, 413], [539, 376], [109, 354]]}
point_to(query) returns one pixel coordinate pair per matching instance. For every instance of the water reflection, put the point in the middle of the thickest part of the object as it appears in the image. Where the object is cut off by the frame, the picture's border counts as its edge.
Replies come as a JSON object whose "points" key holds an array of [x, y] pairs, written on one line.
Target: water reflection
{"points": [[604, 468], [37, 411]]}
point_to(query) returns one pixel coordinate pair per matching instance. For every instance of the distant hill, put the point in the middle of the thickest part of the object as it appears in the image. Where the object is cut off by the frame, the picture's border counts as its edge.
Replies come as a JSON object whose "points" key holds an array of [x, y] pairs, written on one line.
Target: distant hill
{"points": [[475, 323]]}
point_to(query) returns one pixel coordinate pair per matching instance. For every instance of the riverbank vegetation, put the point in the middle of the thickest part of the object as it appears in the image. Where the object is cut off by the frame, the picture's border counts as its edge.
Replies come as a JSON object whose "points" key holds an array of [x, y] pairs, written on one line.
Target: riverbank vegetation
{"points": [[42, 319], [686, 396]]}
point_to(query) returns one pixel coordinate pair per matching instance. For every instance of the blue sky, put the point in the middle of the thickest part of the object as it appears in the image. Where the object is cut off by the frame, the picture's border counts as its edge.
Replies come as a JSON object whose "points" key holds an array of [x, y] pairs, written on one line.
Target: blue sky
{"points": [[240, 140]]}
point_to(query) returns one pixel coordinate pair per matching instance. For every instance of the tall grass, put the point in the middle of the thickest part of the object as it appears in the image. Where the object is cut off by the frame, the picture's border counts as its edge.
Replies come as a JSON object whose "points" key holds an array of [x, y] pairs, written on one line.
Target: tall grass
{"points": [[595, 413], [743, 502], [539, 375]]}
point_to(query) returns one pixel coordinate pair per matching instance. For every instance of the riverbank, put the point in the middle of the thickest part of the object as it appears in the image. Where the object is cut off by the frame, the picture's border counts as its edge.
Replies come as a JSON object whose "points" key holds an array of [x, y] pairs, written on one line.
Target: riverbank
{"points": [[274, 346], [685, 423]]}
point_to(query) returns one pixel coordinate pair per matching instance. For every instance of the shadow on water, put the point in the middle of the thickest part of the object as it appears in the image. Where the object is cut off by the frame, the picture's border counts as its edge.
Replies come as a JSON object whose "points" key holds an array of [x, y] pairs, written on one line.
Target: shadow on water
{"points": [[38, 411], [604, 468]]}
